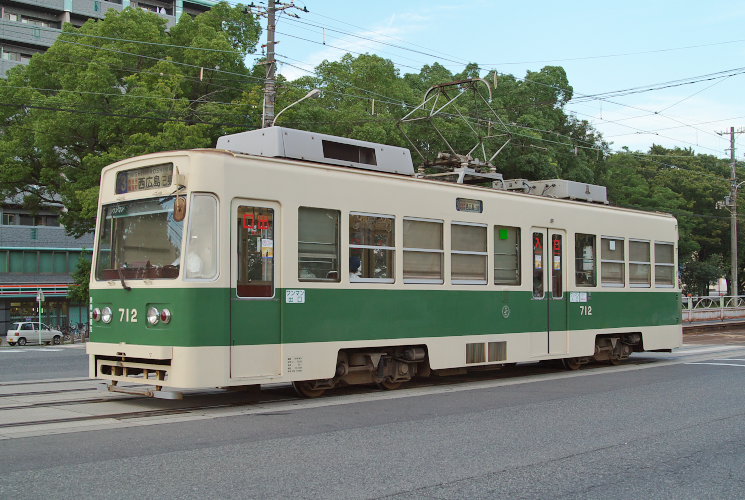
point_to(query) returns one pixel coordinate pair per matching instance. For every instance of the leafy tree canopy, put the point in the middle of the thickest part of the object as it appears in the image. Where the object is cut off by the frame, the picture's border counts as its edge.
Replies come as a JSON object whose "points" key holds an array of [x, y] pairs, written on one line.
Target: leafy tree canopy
{"points": [[97, 96]]}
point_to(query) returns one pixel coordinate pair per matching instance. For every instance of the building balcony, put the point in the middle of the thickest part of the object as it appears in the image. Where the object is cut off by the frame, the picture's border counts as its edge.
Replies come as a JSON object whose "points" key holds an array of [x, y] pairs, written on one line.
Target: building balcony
{"points": [[49, 5], [94, 8], [27, 34]]}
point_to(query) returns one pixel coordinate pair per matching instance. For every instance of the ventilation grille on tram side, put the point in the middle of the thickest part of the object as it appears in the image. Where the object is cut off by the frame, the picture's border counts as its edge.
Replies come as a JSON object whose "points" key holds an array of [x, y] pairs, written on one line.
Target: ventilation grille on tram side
{"points": [[477, 352]]}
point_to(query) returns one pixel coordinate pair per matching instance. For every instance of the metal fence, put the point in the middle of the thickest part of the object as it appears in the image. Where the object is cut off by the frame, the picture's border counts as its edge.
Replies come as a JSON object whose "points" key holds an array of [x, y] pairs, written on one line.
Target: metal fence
{"points": [[724, 308]]}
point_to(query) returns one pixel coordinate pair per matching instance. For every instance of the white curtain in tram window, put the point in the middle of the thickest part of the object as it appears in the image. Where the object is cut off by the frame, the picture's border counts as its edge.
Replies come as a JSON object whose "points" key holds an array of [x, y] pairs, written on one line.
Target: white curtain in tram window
{"points": [[640, 270], [423, 265], [664, 269], [468, 267], [468, 238], [201, 243], [423, 250], [422, 234], [468, 254], [612, 261]]}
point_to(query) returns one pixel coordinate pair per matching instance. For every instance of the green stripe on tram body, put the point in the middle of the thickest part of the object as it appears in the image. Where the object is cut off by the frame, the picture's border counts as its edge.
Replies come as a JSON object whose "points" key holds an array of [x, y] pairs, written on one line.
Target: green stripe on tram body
{"points": [[201, 316]]}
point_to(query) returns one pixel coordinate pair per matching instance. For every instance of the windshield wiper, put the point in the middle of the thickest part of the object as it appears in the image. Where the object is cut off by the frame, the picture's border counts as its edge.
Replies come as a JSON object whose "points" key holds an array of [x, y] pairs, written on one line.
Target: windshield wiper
{"points": [[121, 278]]}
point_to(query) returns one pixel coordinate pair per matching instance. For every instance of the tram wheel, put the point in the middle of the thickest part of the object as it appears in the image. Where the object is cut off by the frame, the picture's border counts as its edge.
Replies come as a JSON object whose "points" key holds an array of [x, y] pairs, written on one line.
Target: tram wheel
{"points": [[305, 389], [615, 361], [389, 386], [571, 363]]}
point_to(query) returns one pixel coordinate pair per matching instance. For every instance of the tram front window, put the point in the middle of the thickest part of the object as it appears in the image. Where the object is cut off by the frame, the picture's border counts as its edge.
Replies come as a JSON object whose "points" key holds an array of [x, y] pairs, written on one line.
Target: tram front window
{"points": [[139, 240]]}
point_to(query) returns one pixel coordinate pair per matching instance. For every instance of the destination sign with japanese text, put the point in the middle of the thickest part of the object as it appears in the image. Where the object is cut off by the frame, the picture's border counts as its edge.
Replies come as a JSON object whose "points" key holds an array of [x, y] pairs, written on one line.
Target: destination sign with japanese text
{"points": [[140, 179]]}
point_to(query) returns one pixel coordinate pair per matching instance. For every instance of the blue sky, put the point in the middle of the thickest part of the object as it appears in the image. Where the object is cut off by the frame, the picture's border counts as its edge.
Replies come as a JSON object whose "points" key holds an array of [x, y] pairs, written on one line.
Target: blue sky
{"points": [[603, 46]]}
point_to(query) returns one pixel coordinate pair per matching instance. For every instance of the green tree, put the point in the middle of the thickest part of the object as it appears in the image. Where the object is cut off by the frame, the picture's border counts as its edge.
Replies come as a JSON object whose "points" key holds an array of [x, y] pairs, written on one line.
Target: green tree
{"points": [[699, 274], [96, 97], [78, 293], [687, 185]]}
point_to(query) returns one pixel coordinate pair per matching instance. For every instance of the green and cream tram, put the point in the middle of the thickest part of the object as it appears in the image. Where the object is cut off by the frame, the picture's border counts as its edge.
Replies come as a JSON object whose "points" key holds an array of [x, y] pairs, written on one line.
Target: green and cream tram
{"points": [[289, 256]]}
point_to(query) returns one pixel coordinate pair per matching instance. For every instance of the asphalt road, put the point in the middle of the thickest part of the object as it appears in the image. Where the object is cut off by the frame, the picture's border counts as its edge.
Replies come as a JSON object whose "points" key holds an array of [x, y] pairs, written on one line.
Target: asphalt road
{"points": [[670, 431], [42, 362]]}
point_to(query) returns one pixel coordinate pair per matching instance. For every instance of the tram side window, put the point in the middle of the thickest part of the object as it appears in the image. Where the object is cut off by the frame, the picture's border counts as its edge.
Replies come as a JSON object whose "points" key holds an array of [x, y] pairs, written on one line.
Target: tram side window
{"points": [[506, 255], [612, 270], [423, 251], [318, 244], [664, 264], [640, 267], [201, 242], [371, 247], [468, 253], [255, 252], [538, 285], [585, 273]]}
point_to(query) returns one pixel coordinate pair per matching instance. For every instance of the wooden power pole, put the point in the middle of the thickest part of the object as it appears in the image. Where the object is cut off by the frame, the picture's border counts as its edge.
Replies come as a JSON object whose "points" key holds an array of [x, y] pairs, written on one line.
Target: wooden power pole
{"points": [[730, 202], [270, 85]]}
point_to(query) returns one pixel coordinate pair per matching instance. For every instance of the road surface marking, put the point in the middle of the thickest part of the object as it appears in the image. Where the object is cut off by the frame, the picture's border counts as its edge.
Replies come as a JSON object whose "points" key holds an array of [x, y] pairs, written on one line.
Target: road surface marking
{"points": [[717, 364], [686, 350]]}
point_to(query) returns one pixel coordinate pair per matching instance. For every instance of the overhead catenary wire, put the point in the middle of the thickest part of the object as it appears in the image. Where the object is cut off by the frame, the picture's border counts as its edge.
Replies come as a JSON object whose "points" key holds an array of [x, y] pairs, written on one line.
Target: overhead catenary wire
{"points": [[397, 46], [595, 97], [258, 79]]}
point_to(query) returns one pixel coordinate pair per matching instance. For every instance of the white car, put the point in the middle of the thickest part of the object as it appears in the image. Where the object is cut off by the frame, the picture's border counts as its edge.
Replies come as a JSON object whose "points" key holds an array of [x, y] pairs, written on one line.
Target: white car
{"points": [[28, 332]]}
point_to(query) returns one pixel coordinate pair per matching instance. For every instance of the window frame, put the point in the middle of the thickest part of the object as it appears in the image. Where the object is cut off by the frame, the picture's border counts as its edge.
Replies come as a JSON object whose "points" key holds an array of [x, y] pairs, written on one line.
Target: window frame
{"points": [[440, 251], [622, 284], [518, 271], [648, 283], [350, 246], [187, 246], [338, 246], [578, 258], [236, 279], [485, 254], [664, 264]]}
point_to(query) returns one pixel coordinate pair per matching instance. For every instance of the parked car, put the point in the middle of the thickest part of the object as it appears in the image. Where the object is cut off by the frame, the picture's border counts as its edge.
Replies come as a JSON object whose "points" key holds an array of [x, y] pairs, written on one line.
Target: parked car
{"points": [[28, 332]]}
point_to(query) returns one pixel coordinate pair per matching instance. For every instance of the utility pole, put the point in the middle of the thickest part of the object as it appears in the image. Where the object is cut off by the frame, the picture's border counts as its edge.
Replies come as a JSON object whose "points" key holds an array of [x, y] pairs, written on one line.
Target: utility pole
{"points": [[730, 202], [270, 90], [270, 85]]}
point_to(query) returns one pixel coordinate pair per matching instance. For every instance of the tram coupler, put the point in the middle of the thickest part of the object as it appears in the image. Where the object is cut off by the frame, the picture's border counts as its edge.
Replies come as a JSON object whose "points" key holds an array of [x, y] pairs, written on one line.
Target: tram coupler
{"points": [[136, 391]]}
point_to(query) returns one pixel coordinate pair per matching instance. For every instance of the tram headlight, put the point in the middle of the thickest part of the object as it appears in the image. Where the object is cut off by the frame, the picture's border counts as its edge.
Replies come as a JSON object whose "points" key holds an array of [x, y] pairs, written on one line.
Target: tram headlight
{"points": [[153, 316], [96, 314], [106, 315], [165, 316]]}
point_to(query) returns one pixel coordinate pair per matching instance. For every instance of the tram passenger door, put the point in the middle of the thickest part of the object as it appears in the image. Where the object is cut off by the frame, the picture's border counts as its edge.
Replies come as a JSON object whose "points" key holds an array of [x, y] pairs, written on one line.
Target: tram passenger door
{"points": [[549, 279], [255, 334]]}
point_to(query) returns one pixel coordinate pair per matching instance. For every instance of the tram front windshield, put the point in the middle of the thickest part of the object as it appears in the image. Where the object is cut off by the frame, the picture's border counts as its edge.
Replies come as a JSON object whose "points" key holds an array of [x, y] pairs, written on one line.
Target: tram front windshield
{"points": [[139, 240]]}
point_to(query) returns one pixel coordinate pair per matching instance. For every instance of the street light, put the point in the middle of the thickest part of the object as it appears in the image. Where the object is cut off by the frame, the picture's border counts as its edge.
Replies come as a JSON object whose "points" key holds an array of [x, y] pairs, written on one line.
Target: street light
{"points": [[310, 95]]}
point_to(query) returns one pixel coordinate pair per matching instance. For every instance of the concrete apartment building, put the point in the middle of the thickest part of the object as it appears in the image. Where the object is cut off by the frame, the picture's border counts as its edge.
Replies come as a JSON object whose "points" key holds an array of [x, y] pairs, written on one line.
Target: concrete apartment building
{"points": [[37, 255], [31, 26]]}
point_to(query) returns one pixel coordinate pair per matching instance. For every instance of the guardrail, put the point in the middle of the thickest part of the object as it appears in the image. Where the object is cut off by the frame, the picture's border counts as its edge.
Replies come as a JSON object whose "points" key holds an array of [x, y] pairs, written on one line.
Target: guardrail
{"points": [[724, 308]]}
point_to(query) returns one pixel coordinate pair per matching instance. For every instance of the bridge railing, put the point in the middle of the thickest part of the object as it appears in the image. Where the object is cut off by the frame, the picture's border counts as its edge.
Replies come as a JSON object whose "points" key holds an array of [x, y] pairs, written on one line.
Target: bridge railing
{"points": [[713, 308]]}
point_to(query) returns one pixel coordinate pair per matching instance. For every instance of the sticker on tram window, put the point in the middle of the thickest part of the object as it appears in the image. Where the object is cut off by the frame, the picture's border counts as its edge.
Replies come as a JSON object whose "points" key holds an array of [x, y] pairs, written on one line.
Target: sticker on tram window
{"points": [[468, 205], [140, 179], [254, 224]]}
